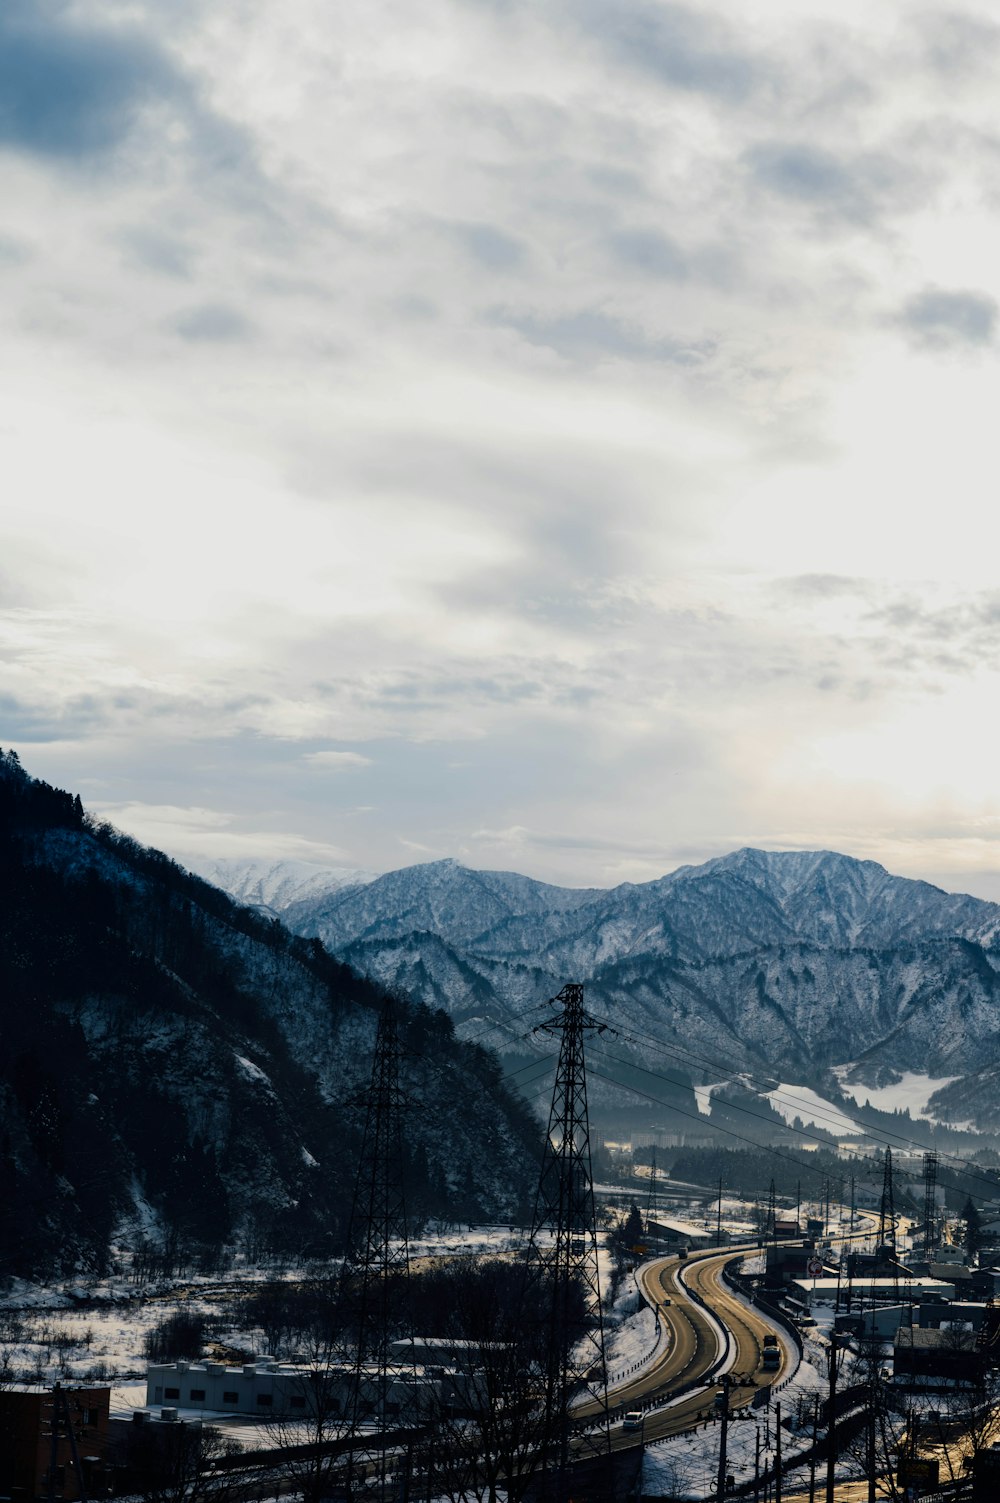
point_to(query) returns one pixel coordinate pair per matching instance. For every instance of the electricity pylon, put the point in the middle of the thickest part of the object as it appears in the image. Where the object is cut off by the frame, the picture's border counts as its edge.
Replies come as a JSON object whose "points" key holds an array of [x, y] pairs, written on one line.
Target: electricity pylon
{"points": [[562, 1257], [887, 1225], [373, 1289], [930, 1202]]}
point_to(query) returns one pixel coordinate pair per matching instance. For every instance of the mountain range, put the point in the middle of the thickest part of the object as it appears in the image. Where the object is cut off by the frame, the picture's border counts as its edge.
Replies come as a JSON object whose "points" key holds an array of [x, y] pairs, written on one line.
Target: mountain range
{"points": [[783, 964]]}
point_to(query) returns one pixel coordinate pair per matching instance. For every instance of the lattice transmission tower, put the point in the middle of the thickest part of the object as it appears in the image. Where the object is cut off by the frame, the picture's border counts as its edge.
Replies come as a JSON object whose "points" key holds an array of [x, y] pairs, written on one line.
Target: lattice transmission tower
{"points": [[886, 1252], [381, 1390], [652, 1207], [562, 1256], [930, 1202]]}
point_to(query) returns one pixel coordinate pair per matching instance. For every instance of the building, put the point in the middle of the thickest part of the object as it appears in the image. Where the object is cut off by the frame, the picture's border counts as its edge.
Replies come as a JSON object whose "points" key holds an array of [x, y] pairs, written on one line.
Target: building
{"points": [[271, 1390], [922, 1356], [787, 1226], [887, 1291], [986, 1475], [79, 1418], [682, 1233]]}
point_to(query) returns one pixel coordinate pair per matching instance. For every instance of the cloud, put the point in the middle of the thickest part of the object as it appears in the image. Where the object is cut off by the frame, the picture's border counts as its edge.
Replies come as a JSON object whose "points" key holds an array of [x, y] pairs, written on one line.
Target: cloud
{"points": [[190, 832], [959, 45], [157, 250], [651, 252], [683, 48], [822, 586], [858, 187], [490, 247], [212, 323], [936, 319], [590, 334], [13, 252], [74, 91], [334, 760]]}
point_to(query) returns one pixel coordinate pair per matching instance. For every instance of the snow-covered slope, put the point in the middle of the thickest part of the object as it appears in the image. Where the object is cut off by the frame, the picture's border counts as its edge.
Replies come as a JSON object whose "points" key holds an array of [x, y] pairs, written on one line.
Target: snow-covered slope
{"points": [[276, 884]]}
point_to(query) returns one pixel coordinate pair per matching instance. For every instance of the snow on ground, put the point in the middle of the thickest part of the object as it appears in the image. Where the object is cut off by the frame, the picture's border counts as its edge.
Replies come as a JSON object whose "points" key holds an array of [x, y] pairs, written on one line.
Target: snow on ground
{"points": [[632, 1332], [467, 1239], [911, 1092], [95, 1331], [791, 1101], [703, 1095]]}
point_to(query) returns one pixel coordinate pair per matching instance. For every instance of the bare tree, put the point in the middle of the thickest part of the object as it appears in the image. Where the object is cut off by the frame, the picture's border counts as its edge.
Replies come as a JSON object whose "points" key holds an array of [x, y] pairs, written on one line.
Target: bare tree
{"points": [[968, 1418], [182, 1463], [486, 1421]]}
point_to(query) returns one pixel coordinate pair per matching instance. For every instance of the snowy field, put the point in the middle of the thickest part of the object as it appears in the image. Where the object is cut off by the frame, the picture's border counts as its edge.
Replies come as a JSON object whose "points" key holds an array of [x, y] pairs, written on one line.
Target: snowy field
{"points": [[813, 1110], [911, 1092], [95, 1332]]}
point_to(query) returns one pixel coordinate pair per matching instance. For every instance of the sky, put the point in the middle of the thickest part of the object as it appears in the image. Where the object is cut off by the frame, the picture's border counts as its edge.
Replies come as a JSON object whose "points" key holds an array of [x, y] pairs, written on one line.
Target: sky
{"points": [[560, 437]]}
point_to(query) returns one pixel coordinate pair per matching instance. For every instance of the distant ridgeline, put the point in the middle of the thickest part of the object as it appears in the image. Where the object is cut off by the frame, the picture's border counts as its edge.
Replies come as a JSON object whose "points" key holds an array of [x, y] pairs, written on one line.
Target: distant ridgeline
{"points": [[175, 1068], [755, 967]]}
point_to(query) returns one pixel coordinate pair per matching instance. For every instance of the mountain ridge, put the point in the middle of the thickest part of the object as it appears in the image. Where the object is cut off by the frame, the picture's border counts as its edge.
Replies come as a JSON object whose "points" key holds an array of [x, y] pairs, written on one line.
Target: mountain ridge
{"points": [[167, 1054], [777, 961]]}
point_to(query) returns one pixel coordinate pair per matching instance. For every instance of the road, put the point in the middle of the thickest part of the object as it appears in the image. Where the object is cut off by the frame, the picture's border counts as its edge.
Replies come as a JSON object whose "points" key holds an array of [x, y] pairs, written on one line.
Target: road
{"points": [[692, 1347]]}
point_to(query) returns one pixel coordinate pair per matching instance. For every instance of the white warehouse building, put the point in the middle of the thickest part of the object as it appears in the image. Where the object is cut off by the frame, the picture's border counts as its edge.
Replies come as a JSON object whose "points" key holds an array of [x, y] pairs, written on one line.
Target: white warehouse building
{"points": [[277, 1390]]}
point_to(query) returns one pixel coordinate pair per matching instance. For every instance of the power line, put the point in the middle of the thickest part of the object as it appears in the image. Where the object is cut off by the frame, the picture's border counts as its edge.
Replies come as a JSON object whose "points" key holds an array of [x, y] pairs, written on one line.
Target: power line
{"points": [[697, 1116], [874, 1133], [716, 1127], [831, 1112]]}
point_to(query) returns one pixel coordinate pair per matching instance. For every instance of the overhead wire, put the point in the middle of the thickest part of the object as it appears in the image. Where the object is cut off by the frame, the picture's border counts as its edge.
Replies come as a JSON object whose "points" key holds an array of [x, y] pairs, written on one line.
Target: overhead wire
{"points": [[830, 1112], [871, 1131], [749, 1112]]}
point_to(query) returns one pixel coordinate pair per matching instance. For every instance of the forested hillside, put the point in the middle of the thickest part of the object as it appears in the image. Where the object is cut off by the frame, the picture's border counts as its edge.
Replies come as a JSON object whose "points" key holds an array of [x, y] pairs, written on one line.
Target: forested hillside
{"points": [[178, 1072]]}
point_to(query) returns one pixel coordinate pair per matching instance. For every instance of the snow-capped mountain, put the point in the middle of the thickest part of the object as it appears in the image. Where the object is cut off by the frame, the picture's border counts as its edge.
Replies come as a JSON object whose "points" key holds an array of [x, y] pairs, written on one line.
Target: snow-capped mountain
{"points": [[275, 885], [790, 962]]}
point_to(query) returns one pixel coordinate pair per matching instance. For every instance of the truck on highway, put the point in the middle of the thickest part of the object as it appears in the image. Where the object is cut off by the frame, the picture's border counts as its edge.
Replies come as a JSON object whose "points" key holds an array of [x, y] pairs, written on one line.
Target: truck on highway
{"points": [[771, 1358]]}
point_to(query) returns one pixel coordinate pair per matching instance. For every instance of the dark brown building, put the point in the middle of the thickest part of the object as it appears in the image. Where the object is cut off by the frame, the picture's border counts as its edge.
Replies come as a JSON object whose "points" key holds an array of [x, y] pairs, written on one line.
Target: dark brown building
{"points": [[921, 1353], [40, 1428]]}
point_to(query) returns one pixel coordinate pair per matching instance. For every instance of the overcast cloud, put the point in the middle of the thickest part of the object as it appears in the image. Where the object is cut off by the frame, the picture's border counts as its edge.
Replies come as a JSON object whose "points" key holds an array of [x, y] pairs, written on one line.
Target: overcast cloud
{"points": [[558, 437]]}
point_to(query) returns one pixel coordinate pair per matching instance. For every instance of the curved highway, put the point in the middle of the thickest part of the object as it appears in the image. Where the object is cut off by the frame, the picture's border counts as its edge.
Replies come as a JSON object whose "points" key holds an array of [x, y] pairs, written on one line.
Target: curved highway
{"points": [[692, 1351], [693, 1347]]}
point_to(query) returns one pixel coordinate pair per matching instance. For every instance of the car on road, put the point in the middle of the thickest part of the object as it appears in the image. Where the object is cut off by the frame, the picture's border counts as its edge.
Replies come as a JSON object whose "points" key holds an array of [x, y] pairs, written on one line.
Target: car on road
{"points": [[633, 1420]]}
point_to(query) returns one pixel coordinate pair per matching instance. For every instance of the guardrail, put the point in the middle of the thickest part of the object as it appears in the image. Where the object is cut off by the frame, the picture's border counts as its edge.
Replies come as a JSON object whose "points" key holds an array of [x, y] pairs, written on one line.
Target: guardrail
{"points": [[720, 1326], [626, 1372]]}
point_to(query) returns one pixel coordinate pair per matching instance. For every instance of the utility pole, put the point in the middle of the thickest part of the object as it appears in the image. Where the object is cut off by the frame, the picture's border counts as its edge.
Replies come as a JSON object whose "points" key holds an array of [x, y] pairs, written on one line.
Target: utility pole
{"points": [[850, 1251], [720, 1485], [870, 1441], [756, 1468], [930, 1202], [562, 1253], [777, 1452], [651, 1194], [812, 1453], [831, 1424], [718, 1219], [61, 1416], [887, 1226]]}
